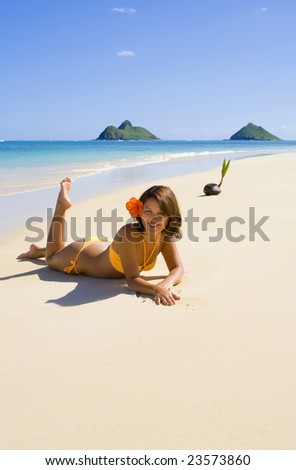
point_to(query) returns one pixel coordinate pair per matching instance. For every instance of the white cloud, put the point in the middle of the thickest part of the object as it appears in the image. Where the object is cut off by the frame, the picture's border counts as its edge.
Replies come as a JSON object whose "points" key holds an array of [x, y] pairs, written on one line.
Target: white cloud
{"points": [[126, 53], [262, 10], [131, 11]]}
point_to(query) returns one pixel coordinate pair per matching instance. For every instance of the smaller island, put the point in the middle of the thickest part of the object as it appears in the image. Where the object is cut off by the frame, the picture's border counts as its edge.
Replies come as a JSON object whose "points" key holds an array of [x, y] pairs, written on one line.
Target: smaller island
{"points": [[126, 132], [253, 132]]}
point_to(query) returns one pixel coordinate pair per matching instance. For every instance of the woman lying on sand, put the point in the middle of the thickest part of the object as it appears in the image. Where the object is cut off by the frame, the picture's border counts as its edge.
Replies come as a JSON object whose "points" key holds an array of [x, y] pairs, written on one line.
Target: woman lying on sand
{"points": [[134, 248]]}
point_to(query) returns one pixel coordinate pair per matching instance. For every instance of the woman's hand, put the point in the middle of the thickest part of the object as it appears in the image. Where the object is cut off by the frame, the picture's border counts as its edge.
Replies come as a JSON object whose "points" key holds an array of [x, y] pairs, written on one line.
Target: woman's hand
{"points": [[164, 295]]}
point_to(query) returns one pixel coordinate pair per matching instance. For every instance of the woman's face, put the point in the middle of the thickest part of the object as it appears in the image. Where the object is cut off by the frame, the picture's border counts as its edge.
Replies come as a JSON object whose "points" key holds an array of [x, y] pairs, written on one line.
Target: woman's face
{"points": [[154, 220]]}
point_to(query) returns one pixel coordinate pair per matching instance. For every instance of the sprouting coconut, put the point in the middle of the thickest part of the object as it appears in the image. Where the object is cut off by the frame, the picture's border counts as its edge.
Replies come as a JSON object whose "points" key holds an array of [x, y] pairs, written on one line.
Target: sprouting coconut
{"points": [[213, 189]]}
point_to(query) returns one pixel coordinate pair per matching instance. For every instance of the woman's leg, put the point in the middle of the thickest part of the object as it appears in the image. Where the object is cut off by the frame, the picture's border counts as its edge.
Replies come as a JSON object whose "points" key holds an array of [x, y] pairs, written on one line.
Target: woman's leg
{"points": [[33, 253], [56, 239], [93, 258]]}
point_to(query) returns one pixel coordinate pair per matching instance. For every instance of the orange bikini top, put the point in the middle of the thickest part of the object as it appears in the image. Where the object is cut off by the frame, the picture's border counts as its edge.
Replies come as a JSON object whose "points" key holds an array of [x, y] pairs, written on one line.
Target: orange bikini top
{"points": [[115, 259]]}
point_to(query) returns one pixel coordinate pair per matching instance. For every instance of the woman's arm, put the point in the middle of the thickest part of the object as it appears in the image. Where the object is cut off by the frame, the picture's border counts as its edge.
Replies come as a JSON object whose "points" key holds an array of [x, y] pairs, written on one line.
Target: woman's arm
{"points": [[175, 267], [162, 291]]}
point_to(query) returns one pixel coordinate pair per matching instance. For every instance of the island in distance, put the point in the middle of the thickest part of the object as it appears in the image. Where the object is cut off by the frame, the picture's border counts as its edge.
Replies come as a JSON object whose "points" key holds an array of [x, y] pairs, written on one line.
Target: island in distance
{"points": [[126, 132], [253, 132]]}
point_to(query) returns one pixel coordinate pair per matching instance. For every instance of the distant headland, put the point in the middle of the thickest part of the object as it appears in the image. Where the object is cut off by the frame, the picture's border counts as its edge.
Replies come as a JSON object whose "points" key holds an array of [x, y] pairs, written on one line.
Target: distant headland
{"points": [[253, 132], [126, 132]]}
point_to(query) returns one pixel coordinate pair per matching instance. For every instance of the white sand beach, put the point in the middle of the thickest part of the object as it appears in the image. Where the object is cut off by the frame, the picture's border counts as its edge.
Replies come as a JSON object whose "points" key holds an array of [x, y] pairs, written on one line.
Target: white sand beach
{"points": [[88, 364]]}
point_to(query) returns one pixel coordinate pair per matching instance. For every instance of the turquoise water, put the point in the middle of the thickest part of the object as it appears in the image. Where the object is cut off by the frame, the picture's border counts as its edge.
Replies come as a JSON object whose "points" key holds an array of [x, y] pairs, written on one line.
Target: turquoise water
{"points": [[30, 171], [30, 165]]}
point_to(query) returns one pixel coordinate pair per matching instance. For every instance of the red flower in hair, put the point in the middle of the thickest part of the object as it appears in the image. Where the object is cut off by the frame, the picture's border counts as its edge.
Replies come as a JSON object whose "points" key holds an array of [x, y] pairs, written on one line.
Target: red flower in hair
{"points": [[134, 206]]}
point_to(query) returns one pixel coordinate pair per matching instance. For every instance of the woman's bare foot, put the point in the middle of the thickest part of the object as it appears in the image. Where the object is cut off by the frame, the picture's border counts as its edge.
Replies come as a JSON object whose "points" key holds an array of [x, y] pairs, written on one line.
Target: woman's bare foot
{"points": [[63, 202], [33, 253]]}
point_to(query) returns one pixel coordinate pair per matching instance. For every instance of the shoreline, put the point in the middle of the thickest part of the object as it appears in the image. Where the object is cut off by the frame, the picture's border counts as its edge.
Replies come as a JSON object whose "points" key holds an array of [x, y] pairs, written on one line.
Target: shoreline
{"points": [[25, 169], [215, 370], [17, 208]]}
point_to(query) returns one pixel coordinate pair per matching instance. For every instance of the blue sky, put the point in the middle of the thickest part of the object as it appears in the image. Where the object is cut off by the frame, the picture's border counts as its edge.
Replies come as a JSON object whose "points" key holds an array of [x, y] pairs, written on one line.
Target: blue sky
{"points": [[184, 69]]}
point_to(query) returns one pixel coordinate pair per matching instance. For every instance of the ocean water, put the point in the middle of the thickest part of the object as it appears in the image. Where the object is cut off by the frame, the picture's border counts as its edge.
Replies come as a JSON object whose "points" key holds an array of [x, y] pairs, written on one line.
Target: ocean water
{"points": [[30, 171], [30, 165]]}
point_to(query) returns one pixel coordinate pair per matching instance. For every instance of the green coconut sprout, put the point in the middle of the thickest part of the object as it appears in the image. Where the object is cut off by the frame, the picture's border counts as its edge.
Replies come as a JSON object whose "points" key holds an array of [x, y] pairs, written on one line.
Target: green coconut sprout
{"points": [[224, 170], [213, 189]]}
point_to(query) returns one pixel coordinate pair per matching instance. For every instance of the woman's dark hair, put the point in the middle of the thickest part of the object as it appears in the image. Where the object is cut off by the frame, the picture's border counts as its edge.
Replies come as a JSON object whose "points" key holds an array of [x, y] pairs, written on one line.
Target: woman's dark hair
{"points": [[168, 205]]}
